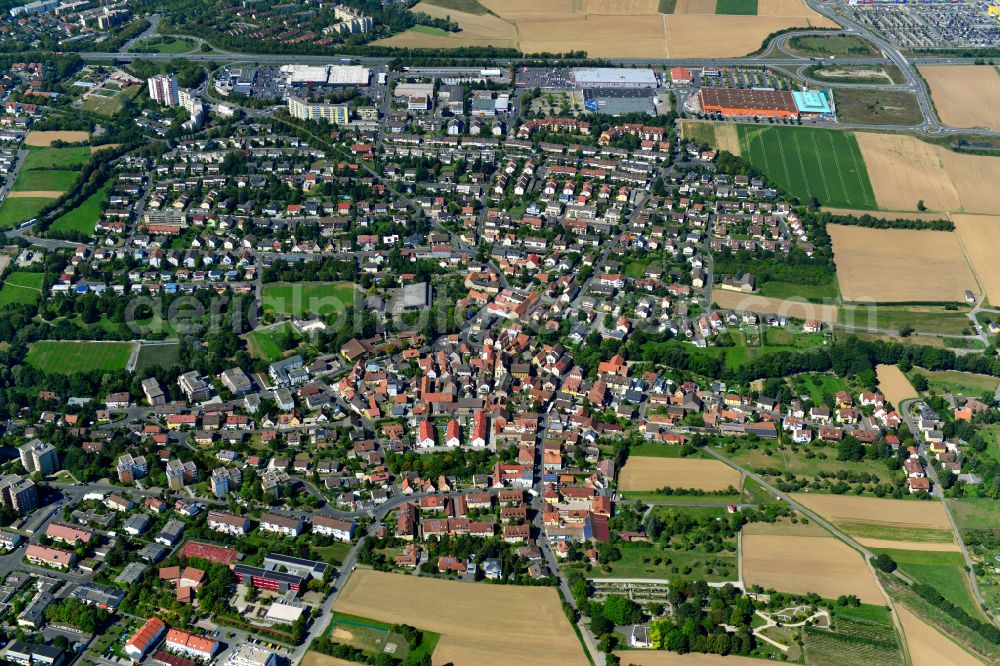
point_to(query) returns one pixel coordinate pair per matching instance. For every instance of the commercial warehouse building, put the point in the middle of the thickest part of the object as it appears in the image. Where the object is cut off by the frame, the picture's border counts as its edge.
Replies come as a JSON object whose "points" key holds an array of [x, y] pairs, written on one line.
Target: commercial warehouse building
{"points": [[609, 77], [326, 75], [765, 103]]}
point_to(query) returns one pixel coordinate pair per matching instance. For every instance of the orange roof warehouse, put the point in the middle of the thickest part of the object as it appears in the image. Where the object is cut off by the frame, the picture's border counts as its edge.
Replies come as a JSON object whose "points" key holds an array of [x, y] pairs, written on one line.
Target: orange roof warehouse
{"points": [[764, 103]]}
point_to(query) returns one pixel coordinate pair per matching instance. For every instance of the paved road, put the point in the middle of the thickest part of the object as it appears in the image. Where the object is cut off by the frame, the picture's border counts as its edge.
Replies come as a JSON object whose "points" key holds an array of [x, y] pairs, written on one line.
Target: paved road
{"points": [[905, 407]]}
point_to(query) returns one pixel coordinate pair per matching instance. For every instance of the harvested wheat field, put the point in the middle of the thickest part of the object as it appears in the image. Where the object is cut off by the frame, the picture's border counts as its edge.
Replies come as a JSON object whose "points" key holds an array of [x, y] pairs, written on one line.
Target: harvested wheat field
{"points": [[619, 7], [651, 473], [455, 610], [695, 7], [107, 146], [899, 521], [37, 138], [904, 170], [965, 95], [980, 236], [929, 647], [477, 30], [802, 564], [731, 36], [893, 384], [664, 658], [35, 194], [727, 138], [601, 36], [634, 28], [900, 265], [734, 300]]}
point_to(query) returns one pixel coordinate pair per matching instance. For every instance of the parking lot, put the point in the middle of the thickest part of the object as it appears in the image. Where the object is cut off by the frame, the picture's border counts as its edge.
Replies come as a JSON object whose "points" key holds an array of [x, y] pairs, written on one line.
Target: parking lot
{"points": [[931, 25]]}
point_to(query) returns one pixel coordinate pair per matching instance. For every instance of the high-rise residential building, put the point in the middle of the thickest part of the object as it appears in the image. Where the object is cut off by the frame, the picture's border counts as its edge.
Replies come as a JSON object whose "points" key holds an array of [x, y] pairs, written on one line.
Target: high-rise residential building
{"points": [[39, 456], [193, 105], [18, 493], [163, 90], [338, 114], [131, 468]]}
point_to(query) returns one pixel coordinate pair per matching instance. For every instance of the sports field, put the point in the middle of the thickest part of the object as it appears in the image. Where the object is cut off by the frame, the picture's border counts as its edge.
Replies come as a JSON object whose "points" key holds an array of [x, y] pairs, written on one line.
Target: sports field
{"points": [[21, 288], [900, 265], [67, 357], [905, 170], [532, 616], [808, 162], [803, 564], [651, 473], [304, 298], [952, 89]]}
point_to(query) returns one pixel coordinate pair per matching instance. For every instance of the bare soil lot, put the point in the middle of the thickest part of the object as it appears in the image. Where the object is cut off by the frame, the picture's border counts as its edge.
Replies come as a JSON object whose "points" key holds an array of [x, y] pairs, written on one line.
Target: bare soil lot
{"points": [[893, 384], [38, 138], [313, 658], [980, 236], [965, 95], [900, 265], [802, 564], [928, 646], [36, 194], [735, 300], [649, 473], [904, 170], [455, 610]]}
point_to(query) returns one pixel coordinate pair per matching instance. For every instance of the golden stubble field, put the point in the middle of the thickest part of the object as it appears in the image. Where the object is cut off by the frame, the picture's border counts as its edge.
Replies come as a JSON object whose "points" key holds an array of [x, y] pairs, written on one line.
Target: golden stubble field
{"points": [[734, 300], [469, 617], [927, 645], [803, 564], [980, 236], [39, 138], [900, 265], [613, 28], [904, 170], [477, 30], [885, 523], [893, 384], [965, 95], [643, 473]]}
